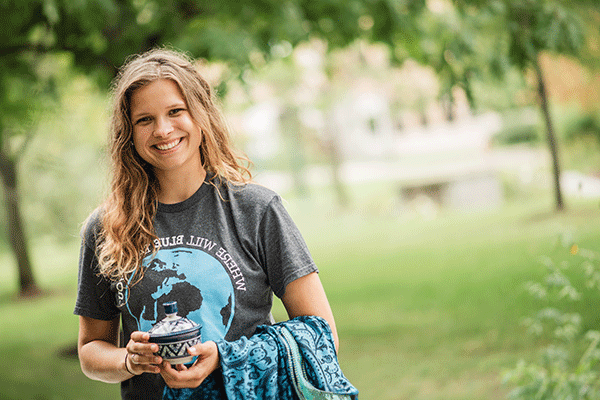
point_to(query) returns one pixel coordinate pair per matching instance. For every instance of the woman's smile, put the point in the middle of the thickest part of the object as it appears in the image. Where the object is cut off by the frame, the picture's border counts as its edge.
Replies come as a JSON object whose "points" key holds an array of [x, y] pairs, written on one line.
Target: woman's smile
{"points": [[168, 145]]}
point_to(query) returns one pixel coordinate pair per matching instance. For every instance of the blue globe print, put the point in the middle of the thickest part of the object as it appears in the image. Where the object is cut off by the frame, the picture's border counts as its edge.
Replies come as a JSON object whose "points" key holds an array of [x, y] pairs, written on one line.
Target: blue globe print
{"points": [[197, 281]]}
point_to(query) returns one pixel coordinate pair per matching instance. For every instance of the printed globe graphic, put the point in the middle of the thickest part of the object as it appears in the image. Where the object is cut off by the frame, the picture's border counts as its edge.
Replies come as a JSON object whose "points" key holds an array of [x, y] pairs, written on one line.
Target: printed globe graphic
{"points": [[196, 281]]}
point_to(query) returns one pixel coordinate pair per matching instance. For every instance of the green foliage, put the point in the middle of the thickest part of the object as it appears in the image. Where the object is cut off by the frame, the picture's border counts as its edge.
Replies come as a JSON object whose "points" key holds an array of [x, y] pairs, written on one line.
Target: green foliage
{"points": [[509, 34], [582, 125], [536, 26], [519, 126], [100, 35], [568, 365], [518, 134], [27, 75], [65, 164], [532, 26], [452, 43]]}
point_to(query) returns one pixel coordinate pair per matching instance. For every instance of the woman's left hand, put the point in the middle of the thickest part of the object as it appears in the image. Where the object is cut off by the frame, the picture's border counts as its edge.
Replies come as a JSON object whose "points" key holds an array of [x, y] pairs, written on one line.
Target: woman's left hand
{"points": [[180, 376]]}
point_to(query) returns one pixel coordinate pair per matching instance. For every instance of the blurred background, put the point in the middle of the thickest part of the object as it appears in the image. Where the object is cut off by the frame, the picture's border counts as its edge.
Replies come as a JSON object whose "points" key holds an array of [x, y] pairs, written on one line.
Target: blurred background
{"points": [[440, 157]]}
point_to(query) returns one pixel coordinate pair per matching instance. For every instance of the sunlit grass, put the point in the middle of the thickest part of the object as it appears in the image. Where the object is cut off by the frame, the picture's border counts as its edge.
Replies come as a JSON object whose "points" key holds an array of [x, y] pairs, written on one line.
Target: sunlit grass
{"points": [[432, 309]]}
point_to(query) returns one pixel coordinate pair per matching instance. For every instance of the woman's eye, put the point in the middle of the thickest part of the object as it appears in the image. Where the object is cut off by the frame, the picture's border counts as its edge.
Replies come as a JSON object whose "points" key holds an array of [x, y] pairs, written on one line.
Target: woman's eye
{"points": [[142, 120], [176, 111]]}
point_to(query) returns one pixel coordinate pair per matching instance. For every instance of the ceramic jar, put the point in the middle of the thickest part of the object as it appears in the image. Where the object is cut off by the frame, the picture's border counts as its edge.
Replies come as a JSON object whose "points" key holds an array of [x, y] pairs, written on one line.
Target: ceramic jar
{"points": [[174, 335]]}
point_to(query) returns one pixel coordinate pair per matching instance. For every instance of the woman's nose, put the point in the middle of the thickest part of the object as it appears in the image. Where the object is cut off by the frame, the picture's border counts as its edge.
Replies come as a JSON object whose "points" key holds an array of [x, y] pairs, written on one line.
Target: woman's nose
{"points": [[163, 127]]}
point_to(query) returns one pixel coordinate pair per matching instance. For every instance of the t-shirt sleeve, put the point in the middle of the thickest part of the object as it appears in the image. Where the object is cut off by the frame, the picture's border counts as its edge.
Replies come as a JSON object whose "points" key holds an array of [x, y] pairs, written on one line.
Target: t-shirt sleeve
{"points": [[283, 251], [94, 296]]}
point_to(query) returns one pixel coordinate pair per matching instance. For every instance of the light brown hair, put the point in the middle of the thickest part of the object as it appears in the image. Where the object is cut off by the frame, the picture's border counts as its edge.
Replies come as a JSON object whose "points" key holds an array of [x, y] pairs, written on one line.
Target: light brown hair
{"points": [[128, 212]]}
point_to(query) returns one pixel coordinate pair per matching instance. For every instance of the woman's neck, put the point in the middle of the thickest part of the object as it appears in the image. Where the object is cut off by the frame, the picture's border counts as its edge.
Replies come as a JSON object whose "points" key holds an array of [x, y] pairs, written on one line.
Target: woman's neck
{"points": [[179, 187]]}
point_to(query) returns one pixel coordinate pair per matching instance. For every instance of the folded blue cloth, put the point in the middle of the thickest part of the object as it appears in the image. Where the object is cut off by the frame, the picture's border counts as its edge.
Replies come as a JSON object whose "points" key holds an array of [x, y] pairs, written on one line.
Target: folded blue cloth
{"points": [[257, 367]]}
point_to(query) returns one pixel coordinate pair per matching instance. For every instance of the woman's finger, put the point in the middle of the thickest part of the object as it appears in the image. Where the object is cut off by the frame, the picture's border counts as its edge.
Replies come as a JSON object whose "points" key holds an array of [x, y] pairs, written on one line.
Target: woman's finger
{"points": [[139, 363], [145, 359], [138, 344]]}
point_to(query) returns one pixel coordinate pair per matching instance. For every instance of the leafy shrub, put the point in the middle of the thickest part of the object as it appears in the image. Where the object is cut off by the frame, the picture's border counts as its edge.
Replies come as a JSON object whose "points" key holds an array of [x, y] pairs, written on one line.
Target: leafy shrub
{"points": [[568, 365], [583, 125], [517, 135]]}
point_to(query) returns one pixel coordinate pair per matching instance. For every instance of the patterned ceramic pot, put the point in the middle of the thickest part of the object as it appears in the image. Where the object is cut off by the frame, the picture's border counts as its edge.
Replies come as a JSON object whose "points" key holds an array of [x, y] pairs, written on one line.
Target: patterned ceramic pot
{"points": [[174, 335]]}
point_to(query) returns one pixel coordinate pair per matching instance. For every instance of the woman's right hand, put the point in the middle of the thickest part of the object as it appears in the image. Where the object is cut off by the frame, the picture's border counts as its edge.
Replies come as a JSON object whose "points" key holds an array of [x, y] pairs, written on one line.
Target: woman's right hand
{"points": [[140, 354]]}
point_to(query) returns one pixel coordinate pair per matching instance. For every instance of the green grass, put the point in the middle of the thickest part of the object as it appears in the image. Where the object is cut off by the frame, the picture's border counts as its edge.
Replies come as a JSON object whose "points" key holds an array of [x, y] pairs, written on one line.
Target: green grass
{"points": [[425, 309], [432, 309], [37, 335]]}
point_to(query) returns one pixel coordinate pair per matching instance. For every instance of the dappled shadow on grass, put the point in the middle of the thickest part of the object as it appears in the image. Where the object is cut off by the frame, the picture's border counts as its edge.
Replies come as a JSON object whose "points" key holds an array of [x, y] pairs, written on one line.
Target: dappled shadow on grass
{"points": [[37, 295], [9, 297], [68, 352], [540, 217], [570, 212]]}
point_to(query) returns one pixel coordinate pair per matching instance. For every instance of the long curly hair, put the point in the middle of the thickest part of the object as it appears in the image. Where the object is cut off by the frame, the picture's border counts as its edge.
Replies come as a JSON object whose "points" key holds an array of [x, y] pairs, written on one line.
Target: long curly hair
{"points": [[127, 231]]}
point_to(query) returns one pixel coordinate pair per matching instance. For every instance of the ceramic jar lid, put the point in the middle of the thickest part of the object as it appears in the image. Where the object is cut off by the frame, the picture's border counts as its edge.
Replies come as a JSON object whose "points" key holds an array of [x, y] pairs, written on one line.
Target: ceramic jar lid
{"points": [[172, 325]]}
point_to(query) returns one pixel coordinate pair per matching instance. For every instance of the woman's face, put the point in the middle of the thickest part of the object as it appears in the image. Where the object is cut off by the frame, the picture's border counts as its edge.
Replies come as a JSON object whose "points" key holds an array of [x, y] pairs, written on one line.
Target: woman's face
{"points": [[164, 133]]}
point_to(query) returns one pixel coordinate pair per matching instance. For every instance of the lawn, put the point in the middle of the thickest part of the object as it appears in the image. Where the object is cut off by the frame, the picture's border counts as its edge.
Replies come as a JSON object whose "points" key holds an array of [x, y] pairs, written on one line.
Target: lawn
{"points": [[425, 308]]}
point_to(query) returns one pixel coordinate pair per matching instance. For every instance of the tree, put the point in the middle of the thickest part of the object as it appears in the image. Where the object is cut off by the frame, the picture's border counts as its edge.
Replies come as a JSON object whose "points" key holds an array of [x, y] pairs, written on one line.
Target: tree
{"points": [[535, 27], [528, 28], [21, 81]]}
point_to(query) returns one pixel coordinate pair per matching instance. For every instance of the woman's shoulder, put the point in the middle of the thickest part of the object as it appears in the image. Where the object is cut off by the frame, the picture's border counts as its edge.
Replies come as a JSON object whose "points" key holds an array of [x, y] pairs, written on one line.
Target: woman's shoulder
{"points": [[250, 197], [92, 226], [258, 192], [253, 197], [246, 192]]}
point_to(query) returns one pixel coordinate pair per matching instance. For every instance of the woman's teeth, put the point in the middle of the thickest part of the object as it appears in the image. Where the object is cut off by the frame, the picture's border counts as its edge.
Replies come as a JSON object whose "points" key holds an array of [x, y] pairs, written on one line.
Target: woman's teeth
{"points": [[167, 146]]}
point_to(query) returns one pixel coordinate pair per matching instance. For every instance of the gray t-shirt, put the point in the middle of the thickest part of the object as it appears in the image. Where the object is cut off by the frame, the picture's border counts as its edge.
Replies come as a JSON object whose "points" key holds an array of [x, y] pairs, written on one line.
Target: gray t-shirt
{"points": [[222, 254]]}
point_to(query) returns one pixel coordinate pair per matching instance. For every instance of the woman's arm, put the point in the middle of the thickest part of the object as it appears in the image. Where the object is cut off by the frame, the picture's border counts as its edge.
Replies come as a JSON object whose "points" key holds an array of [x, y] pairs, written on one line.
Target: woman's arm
{"points": [[306, 296], [100, 357]]}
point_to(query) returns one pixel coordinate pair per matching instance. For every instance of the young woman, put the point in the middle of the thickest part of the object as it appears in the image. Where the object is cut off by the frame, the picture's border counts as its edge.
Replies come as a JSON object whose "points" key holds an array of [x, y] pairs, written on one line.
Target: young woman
{"points": [[184, 223]]}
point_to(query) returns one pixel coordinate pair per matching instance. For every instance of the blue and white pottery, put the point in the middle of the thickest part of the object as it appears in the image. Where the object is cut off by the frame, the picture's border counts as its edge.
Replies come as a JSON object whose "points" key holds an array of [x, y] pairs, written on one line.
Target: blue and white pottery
{"points": [[174, 335]]}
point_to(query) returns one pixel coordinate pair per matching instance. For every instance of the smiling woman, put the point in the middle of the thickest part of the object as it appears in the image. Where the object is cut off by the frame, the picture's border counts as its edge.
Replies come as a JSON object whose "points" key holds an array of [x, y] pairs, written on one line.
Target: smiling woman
{"points": [[175, 175]]}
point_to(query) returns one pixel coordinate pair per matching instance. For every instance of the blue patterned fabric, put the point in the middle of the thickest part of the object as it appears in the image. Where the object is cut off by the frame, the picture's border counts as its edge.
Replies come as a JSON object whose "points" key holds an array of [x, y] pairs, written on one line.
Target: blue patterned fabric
{"points": [[256, 367]]}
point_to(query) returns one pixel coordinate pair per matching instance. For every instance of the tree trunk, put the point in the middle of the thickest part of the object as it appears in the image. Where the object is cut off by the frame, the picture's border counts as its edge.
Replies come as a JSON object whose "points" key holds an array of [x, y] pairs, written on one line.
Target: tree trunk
{"points": [[293, 131], [336, 166], [8, 171], [336, 161], [549, 134]]}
